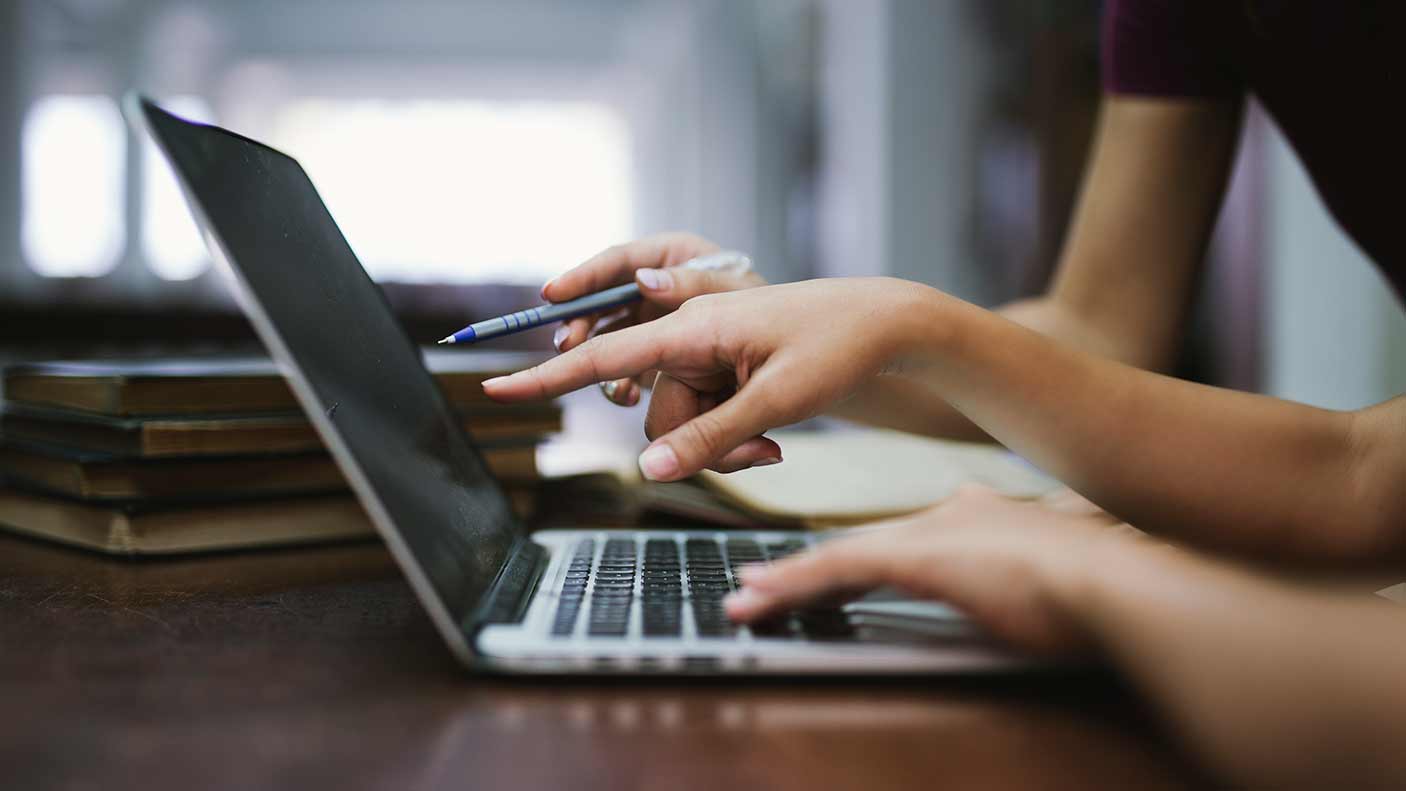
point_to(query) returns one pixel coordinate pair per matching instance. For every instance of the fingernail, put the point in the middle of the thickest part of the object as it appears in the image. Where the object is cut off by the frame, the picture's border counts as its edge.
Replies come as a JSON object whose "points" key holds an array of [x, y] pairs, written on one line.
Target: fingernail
{"points": [[609, 388], [767, 462], [495, 381], [560, 336], [545, 286], [655, 279], [659, 462]]}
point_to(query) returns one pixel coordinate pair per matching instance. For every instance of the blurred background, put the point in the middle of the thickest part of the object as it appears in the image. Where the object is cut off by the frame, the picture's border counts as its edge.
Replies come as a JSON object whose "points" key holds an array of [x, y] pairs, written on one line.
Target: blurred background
{"points": [[470, 149]]}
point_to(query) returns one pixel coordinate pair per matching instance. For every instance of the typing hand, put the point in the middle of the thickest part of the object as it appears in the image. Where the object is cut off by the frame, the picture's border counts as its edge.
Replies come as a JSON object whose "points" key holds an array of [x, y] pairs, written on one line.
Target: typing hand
{"points": [[734, 365], [1015, 567], [653, 263]]}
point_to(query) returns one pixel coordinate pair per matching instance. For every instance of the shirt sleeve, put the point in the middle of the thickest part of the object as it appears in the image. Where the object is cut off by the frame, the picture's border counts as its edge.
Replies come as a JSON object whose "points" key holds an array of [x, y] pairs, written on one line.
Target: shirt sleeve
{"points": [[1168, 48]]}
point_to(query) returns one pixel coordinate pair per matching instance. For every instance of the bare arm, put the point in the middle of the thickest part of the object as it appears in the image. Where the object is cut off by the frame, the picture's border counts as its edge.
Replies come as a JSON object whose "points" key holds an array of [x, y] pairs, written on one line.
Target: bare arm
{"points": [[1239, 471], [1221, 468], [1271, 685], [1274, 686], [1154, 185]]}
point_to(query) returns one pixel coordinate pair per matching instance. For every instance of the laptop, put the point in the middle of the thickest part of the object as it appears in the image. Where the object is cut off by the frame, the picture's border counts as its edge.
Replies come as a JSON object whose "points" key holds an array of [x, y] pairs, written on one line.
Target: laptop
{"points": [[560, 601]]}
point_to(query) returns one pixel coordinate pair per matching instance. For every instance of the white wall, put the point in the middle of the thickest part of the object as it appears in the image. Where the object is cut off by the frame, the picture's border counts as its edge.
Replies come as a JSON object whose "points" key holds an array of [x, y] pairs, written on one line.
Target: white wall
{"points": [[709, 136], [901, 91], [712, 140], [854, 105], [1335, 333], [938, 76]]}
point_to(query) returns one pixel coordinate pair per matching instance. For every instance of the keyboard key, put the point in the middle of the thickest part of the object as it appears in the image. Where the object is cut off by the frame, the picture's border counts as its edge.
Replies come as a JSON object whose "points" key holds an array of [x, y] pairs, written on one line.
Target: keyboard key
{"points": [[742, 550], [565, 621], [825, 624], [613, 589], [782, 549], [665, 576], [662, 618], [573, 590], [773, 627]]}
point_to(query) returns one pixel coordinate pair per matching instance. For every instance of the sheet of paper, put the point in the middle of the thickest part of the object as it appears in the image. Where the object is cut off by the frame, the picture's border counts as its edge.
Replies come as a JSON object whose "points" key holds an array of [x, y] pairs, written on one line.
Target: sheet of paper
{"points": [[854, 475]]}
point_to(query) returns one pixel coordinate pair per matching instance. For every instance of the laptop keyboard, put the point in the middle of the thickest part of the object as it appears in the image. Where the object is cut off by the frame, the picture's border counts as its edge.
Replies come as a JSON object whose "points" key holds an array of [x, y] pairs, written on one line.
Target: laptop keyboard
{"points": [[669, 576]]}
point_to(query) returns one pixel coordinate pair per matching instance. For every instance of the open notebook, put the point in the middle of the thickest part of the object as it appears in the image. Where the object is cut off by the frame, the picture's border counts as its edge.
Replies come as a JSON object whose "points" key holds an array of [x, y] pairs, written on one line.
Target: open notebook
{"points": [[850, 476]]}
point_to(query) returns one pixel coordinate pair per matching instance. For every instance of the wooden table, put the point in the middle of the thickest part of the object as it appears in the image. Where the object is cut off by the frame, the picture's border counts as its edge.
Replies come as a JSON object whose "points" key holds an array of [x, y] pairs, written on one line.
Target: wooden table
{"points": [[316, 668]]}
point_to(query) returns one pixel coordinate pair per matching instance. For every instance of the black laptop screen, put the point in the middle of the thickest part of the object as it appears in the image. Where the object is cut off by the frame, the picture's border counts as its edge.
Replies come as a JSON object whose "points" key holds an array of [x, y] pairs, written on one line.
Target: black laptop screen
{"points": [[366, 377]]}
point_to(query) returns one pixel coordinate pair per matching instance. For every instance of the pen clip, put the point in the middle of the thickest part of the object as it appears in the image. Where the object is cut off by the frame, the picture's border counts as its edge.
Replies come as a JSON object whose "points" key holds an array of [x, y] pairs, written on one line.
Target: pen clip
{"points": [[721, 261]]}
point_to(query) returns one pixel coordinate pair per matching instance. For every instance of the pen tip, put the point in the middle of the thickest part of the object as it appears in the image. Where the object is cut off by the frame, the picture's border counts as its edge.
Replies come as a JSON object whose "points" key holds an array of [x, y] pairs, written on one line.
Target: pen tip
{"points": [[450, 339]]}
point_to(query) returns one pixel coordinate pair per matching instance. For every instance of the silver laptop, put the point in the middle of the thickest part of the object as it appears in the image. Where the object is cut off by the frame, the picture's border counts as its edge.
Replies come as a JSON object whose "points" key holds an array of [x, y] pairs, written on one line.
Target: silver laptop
{"points": [[572, 601]]}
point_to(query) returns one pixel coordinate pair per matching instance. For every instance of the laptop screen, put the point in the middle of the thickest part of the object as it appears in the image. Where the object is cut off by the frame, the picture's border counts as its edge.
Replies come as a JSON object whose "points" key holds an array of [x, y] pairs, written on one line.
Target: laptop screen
{"points": [[353, 367]]}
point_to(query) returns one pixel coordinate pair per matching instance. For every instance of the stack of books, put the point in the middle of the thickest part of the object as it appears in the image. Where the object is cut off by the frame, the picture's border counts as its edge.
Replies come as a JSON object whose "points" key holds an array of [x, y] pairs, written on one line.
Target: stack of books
{"points": [[178, 455]]}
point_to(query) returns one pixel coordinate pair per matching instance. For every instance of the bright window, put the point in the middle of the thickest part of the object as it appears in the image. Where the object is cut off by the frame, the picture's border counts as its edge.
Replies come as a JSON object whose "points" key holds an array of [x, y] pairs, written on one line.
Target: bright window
{"points": [[459, 190], [171, 241], [74, 164]]}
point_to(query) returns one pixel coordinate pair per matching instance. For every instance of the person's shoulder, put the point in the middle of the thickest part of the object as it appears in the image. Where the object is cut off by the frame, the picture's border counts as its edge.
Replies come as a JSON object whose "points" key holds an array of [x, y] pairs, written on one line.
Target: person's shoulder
{"points": [[1168, 48]]}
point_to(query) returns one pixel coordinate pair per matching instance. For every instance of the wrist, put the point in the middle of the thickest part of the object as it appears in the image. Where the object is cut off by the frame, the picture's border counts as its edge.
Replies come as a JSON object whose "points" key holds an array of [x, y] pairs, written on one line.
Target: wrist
{"points": [[923, 324], [1090, 586]]}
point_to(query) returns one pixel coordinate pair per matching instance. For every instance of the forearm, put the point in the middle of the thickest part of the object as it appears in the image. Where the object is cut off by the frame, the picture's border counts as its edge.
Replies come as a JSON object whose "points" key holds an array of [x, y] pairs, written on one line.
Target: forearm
{"points": [[1272, 686], [908, 404], [1238, 470]]}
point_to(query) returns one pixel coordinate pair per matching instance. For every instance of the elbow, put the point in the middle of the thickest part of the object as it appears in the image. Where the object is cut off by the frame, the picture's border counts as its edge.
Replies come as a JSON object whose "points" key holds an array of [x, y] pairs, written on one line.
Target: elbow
{"points": [[1112, 337]]}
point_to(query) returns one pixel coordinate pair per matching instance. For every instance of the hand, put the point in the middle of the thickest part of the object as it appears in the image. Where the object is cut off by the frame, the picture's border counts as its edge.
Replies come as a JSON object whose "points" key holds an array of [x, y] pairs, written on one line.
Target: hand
{"points": [[652, 263], [734, 365], [1015, 567]]}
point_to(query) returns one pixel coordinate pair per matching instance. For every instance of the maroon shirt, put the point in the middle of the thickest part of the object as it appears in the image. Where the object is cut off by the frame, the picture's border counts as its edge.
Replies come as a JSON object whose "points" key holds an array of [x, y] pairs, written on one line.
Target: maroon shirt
{"points": [[1326, 70]]}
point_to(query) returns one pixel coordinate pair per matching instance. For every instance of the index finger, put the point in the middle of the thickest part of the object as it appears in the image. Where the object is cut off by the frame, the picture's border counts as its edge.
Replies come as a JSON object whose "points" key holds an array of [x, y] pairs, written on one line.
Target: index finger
{"points": [[850, 566], [616, 355], [616, 265]]}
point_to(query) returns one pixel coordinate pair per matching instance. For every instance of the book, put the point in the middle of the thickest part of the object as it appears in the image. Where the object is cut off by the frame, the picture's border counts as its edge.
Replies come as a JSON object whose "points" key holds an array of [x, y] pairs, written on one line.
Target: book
{"points": [[689, 499], [199, 528], [215, 385], [85, 475], [81, 572], [131, 531], [857, 475], [153, 437]]}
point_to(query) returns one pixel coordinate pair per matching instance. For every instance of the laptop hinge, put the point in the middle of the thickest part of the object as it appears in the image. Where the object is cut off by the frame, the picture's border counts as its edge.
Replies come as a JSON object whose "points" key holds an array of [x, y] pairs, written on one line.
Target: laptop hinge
{"points": [[512, 591]]}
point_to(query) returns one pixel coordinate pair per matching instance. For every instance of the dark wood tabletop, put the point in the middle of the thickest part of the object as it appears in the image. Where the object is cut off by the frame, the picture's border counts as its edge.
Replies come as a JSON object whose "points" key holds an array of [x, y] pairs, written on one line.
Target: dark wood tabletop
{"points": [[315, 667]]}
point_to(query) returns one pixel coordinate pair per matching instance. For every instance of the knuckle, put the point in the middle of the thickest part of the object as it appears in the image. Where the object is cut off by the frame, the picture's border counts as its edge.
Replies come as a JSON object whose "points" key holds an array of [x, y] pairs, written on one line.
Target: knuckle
{"points": [[592, 352], [538, 381], [699, 304], [771, 403], [836, 564], [705, 432]]}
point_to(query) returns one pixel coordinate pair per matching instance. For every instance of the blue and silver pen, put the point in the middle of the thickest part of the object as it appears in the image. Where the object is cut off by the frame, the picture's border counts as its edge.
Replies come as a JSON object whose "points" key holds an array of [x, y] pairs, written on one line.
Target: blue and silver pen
{"points": [[591, 303]]}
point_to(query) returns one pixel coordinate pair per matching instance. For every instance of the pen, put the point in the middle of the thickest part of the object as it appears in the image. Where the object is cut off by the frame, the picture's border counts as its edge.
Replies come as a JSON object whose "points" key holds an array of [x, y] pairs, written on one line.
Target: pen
{"points": [[728, 260]]}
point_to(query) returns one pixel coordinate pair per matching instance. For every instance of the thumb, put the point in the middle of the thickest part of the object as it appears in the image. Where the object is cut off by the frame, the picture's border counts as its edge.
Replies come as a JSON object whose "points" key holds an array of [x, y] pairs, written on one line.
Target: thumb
{"points": [[708, 436], [670, 288]]}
